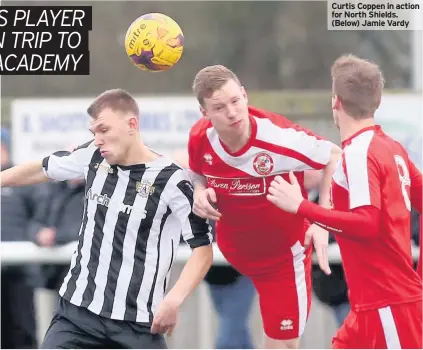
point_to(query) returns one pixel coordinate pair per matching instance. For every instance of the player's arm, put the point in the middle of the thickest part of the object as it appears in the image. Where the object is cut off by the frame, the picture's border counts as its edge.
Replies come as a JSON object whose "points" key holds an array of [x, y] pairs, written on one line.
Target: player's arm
{"points": [[194, 158], [420, 261], [203, 197], [65, 165], [197, 234], [312, 153], [416, 203], [182, 158], [59, 166], [359, 222], [328, 171], [415, 187], [199, 181], [363, 218], [29, 173], [322, 155]]}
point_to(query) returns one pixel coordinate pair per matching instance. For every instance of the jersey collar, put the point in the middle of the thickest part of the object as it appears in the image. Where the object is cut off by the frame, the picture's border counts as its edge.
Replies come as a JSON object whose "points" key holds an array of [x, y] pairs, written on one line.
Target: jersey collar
{"points": [[348, 141]]}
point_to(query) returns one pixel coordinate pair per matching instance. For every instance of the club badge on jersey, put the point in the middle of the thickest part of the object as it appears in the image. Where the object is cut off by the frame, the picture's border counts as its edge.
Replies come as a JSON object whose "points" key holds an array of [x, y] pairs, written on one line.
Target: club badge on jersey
{"points": [[263, 164], [144, 188]]}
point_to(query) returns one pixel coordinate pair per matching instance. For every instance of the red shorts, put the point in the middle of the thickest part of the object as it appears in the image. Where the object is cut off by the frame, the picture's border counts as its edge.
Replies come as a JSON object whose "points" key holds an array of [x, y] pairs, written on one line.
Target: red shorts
{"points": [[393, 327], [284, 292]]}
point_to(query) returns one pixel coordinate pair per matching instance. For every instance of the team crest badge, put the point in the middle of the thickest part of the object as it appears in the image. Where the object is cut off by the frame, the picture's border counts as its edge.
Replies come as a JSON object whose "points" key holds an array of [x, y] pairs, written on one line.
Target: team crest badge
{"points": [[263, 164], [144, 188]]}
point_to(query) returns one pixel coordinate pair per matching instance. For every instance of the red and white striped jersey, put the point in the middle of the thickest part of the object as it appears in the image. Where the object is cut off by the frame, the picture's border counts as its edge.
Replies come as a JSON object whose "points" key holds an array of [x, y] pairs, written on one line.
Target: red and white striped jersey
{"points": [[376, 171], [249, 222]]}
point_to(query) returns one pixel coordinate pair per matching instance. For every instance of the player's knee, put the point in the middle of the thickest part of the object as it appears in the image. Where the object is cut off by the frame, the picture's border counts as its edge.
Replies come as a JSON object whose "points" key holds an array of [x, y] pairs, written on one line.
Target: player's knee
{"points": [[290, 343], [271, 343]]}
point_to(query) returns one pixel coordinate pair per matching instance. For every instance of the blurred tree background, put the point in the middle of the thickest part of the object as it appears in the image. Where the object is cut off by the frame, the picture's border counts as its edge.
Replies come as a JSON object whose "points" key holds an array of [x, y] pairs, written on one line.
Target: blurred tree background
{"points": [[270, 45]]}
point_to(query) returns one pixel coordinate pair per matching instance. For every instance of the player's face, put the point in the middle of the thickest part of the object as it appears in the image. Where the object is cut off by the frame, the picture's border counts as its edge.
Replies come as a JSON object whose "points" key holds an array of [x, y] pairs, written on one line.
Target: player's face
{"points": [[112, 132], [227, 109]]}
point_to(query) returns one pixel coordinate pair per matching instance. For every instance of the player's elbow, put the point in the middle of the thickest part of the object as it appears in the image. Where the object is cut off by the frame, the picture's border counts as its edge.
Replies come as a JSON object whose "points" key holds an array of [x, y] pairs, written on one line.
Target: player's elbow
{"points": [[369, 223], [198, 180], [204, 256]]}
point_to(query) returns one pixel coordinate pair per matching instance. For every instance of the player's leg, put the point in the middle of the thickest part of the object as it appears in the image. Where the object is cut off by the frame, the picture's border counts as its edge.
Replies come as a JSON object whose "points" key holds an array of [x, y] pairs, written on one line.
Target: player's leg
{"points": [[285, 299], [346, 334], [72, 328], [392, 327], [401, 326]]}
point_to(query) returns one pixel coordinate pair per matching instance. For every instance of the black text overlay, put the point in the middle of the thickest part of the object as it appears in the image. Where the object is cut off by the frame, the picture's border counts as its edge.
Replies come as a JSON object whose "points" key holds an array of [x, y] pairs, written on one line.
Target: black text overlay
{"points": [[48, 40]]}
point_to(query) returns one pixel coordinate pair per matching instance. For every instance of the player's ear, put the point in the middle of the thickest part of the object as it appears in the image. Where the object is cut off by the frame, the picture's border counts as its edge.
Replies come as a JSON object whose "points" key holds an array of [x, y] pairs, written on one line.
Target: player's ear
{"points": [[244, 93], [133, 125], [336, 102], [203, 112]]}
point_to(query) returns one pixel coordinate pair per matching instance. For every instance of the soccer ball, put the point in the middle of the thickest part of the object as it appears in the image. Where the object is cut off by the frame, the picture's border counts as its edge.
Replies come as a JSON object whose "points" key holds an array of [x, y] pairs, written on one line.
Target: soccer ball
{"points": [[154, 42]]}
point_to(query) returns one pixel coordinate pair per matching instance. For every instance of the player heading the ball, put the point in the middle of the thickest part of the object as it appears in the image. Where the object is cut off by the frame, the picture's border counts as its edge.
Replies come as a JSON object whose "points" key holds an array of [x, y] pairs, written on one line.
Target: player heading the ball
{"points": [[235, 151]]}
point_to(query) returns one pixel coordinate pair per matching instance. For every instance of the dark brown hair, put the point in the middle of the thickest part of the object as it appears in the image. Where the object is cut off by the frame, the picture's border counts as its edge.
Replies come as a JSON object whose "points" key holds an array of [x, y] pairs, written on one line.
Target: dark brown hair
{"points": [[210, 79], [358, 83], [117, 100]]}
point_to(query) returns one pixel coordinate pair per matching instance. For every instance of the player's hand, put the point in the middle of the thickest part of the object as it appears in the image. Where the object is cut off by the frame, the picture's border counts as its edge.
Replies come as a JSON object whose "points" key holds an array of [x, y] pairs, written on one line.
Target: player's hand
{"points": [[320, 238], [204, 200], [165, 318], [286, 196]]}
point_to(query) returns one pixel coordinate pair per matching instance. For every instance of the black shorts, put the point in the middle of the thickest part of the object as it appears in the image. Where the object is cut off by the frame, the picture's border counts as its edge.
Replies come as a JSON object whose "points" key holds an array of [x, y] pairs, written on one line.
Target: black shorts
{"points": [[74, 327]]}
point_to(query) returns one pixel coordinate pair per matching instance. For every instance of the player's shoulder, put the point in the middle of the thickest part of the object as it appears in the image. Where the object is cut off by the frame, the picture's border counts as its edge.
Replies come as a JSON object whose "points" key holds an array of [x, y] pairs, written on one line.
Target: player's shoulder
{"points": [[82, 153], [358, 149], [386, 139], [362, 143], [199, 129], [377, 143], [86, 146], [371, 146], [86, 151], [179, 179], [275, 119], [172, 170]]}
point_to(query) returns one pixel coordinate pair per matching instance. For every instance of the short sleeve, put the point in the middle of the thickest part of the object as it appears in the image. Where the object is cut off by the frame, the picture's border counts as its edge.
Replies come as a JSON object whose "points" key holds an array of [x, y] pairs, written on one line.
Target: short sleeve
{"points": [[65, 165], [299, 147], [195, 230], [363, 177], [309, 148], [194, 153]]}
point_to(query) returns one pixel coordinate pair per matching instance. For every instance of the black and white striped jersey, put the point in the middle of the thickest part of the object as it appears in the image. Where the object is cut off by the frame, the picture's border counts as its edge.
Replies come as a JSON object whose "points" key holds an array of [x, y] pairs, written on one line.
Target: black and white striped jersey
{"points": [[130, 231]]}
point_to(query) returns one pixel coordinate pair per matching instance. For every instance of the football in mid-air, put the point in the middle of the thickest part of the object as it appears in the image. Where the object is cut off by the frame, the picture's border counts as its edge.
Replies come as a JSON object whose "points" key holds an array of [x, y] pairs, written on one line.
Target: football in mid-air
{"points": [[154, 42]]}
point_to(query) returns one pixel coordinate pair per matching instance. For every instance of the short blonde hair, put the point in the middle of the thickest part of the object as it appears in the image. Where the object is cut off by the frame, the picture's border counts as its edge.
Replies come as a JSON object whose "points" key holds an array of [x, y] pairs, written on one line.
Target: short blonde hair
{"points": [[358, 83], [210, 79], [117, 100]]}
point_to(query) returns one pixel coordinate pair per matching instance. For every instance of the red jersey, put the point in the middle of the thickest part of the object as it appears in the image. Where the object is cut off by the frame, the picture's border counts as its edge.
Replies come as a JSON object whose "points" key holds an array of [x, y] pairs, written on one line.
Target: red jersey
{"points": [[375, 171], [420, 261], [250, 225]]}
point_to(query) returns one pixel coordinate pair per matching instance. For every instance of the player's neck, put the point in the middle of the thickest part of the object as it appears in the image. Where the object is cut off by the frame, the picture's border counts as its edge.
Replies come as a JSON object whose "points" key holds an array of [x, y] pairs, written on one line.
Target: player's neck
{"points": [[139, 154], [234, 144], [352, 126]]}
